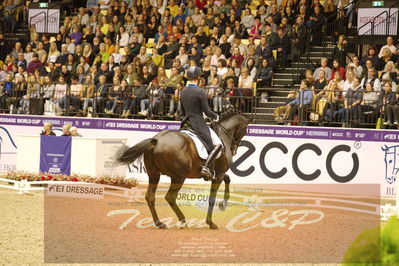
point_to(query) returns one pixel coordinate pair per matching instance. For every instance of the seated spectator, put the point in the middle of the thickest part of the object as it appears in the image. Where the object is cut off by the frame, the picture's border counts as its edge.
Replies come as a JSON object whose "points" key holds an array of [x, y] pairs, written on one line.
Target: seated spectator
{"points": [[157, 58], [34, 64], [390, 45], [324, 67], [337, 68], [387, 56], [216, 94], [302, 103], [27, 92], [369, 103], [114, 97], [386, 78], [321, 83], [329, 100], [47, 129], [256, 29], [7, 93], [245, 82], [65, 130], [355, 67], [251, 68], [391, 71], [352, 102], [372, 79], [100, 94], [371, 55], [248, 19], [350, 75], [390, 106], [74, 132], [129, 97], [151, 103]]}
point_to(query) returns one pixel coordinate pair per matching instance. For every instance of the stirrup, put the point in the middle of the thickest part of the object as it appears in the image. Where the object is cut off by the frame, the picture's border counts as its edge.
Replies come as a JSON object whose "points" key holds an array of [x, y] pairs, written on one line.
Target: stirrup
{"points": [[206, 172]]}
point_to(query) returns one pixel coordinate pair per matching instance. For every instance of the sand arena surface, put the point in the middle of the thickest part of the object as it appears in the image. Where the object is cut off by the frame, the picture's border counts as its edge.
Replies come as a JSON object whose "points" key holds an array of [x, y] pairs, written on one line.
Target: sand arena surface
{"points": [[39, 229]]}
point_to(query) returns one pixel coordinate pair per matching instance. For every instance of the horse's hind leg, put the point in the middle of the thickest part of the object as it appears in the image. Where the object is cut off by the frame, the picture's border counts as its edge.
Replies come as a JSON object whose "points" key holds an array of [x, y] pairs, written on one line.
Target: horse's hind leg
{"points": [[212, 199], [150, 197], [171, 196]]}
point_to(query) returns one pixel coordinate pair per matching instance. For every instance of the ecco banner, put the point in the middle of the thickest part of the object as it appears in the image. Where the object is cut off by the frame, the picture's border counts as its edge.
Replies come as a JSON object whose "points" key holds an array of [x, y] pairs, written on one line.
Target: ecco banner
{"points": [[267, 155]]}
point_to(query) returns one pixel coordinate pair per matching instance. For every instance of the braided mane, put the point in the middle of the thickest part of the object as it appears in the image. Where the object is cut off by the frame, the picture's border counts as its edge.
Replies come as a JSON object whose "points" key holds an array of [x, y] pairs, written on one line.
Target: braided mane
{"points": [[229, 113]]}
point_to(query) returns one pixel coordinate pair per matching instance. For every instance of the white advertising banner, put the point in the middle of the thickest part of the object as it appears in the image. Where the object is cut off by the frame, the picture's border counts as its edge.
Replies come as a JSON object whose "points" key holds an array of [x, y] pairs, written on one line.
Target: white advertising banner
{"points": [[45, 20], [379, 16], [267, 155]]}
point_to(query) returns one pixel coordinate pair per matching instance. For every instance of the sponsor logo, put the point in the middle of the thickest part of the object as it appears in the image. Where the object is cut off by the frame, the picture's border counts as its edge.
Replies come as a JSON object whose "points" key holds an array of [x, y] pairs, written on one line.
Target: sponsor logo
{"points": [[391, 163], [294, 160]]}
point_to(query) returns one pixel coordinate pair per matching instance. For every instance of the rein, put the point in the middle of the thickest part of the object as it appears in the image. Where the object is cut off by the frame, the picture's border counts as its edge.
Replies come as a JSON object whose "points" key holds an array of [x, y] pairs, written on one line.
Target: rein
{"points": [[224, 129]]}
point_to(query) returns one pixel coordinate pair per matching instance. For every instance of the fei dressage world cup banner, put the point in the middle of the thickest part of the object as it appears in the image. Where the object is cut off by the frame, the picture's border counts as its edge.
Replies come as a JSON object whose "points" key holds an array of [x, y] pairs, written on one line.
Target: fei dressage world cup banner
{"points": [[55, 155]]}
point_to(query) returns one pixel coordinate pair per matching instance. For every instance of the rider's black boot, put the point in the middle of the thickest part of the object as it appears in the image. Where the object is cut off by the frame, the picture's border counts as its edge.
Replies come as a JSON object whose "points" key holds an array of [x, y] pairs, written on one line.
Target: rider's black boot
{"points": [[207, 169]]}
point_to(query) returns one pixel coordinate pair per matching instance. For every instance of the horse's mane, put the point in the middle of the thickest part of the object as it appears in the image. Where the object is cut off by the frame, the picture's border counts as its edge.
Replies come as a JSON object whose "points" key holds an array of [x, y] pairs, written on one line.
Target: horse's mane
{"points": [[229, 113]]}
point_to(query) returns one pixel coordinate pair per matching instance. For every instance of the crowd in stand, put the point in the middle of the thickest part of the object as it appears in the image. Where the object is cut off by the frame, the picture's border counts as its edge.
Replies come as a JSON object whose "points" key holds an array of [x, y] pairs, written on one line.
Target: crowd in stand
{"points": [[132, 55], [360, 91]]}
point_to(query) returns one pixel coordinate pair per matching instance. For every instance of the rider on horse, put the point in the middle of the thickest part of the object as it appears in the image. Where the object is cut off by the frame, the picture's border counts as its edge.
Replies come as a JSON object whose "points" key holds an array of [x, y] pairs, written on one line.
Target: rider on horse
{"points": [[194, 103]]}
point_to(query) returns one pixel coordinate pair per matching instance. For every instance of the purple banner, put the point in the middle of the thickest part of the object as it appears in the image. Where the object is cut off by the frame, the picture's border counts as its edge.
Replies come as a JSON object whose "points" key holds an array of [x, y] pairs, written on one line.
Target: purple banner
{"points": [[55, 155], [253, 130]]}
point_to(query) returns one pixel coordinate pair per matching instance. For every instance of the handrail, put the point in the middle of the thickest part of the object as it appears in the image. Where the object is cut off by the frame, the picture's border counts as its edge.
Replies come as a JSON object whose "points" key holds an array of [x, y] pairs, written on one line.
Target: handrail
{"points": [[43, 12]]}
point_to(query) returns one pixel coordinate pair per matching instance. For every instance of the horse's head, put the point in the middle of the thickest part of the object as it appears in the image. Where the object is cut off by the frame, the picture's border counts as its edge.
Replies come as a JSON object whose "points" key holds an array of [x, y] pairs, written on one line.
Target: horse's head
{"points": [[235, 125]]}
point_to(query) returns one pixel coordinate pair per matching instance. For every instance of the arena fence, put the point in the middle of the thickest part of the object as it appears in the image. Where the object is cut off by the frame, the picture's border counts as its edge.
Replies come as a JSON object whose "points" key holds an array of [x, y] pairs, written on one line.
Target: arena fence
{"points": [[326, 108]]}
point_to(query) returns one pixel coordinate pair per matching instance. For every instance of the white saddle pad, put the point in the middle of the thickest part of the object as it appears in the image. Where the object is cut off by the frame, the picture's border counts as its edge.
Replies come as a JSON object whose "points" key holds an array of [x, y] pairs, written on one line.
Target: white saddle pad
{"points": [[202, 152]]}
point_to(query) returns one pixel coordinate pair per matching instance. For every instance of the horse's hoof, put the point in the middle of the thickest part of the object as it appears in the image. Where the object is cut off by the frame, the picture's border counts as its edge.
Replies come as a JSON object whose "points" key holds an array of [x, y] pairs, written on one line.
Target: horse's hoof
{"points": [[183, 225], [161, 225], [213, 226], [222, 205]]}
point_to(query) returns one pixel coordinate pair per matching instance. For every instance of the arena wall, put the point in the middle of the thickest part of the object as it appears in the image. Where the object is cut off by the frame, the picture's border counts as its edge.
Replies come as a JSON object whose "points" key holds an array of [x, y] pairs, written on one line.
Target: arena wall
{"points": [[267, 155]]}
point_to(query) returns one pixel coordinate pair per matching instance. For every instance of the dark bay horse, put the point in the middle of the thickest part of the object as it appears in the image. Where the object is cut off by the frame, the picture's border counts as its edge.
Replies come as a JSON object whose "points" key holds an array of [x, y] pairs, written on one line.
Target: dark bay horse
{"points": [[174, 154]]}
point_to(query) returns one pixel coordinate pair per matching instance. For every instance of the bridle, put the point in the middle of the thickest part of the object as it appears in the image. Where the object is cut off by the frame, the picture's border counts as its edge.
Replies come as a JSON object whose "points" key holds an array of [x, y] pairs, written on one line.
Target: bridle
{"points": [[235, 143]]}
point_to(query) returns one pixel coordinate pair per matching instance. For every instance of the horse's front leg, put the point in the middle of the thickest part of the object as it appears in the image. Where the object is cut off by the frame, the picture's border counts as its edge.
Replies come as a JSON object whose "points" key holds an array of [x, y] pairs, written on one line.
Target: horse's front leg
{"points": [[212, 199]]}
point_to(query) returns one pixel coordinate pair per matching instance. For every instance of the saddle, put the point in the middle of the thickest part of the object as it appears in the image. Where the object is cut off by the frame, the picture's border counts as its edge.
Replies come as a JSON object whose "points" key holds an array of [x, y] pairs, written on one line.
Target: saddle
{"points": [[202, 152]]}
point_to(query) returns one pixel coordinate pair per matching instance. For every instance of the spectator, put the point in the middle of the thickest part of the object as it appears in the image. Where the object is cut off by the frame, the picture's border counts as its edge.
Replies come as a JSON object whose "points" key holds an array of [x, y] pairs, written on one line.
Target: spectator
{"points": [[390, 106], [7, 94], [355, 67], [324, 67], [74, 132], [390, 45], [338, 68], [301, 104], [47, 129], [114, 97], [371, 55], [66, 130], [35, 64], [264, 74], [352, 101], [372, 79], [369, 103], [245, 82], [283, 47], [340, 50]]}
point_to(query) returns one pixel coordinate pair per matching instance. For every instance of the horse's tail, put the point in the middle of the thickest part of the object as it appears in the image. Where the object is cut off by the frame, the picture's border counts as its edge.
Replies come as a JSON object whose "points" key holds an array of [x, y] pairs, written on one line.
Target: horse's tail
{"points": [[127, 155]]}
